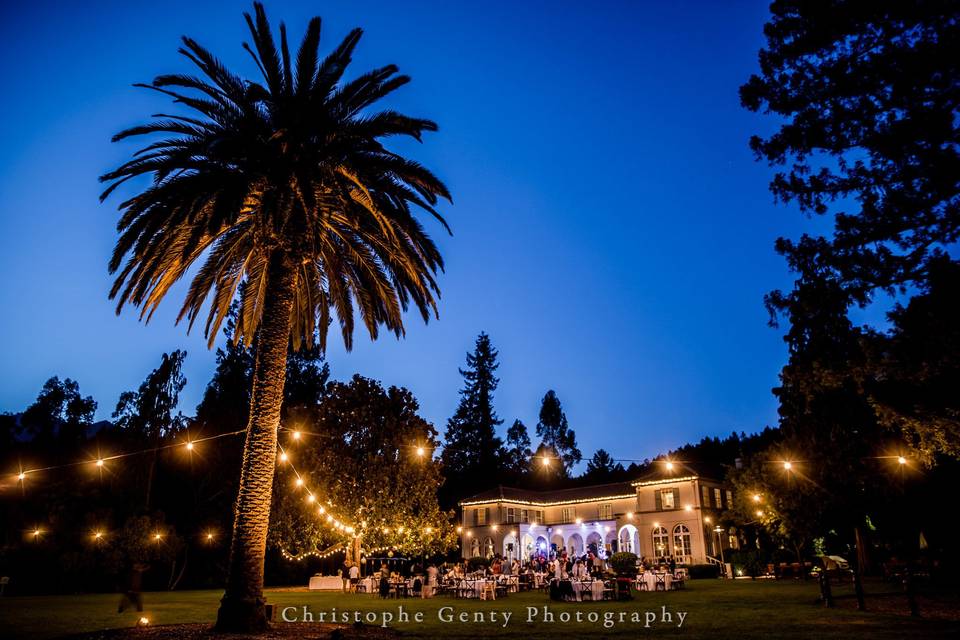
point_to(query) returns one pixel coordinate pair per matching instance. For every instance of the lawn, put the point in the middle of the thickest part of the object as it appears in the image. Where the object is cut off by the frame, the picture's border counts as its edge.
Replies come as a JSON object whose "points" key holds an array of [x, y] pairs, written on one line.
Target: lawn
{"points": [[714, 609]]}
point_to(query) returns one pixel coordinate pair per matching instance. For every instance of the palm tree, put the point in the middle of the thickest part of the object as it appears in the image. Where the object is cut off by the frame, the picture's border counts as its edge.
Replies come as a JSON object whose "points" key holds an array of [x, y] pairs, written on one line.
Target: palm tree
{"points": [[282, 186]]}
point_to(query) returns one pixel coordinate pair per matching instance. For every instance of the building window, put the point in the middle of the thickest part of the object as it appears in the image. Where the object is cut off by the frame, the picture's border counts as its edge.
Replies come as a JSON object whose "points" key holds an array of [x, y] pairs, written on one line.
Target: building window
{"points": [[668, 499], [681, 541], [539, 516], [661, 545], [510, 514], [568, 514], [734, 543], [705, 492], [606, 512], [488, 548], [716, 497], [475, 548], [524, 516], [729, 499], [482, 515]]}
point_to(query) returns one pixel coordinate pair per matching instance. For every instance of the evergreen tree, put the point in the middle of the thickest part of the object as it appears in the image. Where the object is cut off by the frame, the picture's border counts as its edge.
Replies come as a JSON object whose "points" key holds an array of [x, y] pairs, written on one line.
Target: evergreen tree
{"points": [[602, 467], [518, 451], [866, 98], [473, 454], [555, 433]]}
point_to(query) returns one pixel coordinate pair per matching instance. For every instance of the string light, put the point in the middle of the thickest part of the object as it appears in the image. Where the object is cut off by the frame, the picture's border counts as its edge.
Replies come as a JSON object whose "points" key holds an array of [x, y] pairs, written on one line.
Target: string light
{"points": [[189, 446], [22, 476], [788, 466], [900, 460], [756, 497], [283, 456], [420, 451], [296, 435], [100, 462], [546, 461], [669, 466]]}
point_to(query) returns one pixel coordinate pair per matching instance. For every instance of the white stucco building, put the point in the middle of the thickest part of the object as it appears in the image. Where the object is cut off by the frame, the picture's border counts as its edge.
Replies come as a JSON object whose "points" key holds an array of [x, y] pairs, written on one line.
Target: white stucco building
{"points": [[672, 512]]}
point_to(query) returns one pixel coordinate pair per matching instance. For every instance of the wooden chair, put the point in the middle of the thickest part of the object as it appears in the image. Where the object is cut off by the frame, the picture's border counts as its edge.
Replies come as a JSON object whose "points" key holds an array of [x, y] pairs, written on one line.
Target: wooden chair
{"points": [[661, 584], [488, 591]]}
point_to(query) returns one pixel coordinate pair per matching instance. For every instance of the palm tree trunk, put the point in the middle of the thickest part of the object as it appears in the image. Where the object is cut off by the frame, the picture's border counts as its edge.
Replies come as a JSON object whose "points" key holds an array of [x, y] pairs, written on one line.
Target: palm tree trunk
{"points": [[243, 607]]}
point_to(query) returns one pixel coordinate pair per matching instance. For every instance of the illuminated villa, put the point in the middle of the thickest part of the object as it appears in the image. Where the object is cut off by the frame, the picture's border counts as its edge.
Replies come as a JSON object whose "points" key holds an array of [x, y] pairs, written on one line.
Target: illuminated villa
{"points": [[667, 513]]}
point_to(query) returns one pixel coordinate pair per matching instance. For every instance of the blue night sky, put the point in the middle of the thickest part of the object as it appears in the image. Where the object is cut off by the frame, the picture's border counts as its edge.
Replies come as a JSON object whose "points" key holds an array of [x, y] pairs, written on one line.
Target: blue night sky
{"points": [[612, 231]]}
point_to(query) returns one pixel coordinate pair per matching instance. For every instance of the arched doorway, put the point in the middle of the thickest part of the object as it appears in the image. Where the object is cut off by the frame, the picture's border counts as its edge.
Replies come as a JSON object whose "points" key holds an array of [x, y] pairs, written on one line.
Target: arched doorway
{"points": [[488, 549], [628, 539], [556, 543], [575, 545], [594, 542], [542, 545], [475, 548], [526, 547]]}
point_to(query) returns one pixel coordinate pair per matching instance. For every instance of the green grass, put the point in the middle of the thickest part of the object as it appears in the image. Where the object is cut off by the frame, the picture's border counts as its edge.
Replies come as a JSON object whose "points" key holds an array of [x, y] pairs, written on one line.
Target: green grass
{"points": [[715, 609]]}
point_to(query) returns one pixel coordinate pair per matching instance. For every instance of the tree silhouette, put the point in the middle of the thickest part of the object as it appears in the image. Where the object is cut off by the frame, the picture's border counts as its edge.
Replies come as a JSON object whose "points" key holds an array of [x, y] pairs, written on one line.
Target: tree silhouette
{"points": [[284, 185], [472, 452], [556, 435], [867, 94], [518, 453]]}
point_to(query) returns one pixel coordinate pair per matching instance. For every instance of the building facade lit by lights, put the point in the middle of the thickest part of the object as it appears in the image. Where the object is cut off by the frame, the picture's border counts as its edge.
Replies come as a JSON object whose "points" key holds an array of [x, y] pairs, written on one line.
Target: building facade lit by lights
{"points": [[668, 513]]}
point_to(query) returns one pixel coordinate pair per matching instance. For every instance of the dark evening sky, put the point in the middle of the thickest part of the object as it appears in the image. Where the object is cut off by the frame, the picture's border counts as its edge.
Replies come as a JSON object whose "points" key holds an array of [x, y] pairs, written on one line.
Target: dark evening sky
{"points": [[612, 231]]}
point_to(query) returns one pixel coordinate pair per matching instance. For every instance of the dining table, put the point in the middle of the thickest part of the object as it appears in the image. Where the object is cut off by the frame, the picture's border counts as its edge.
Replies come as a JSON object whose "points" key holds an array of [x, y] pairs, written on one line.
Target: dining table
{"points": [[650, 579], [592, 586]]}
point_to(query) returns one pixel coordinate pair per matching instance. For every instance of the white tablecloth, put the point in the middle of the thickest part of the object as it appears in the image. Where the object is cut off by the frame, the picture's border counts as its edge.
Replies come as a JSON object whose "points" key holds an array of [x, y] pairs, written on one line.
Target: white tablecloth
{"points": [[326, 583], [650, 580], [594, 586]]}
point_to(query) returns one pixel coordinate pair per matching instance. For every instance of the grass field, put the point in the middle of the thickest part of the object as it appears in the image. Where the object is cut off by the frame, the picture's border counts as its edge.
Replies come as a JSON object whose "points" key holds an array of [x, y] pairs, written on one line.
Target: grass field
{"points": [[714, 609]]}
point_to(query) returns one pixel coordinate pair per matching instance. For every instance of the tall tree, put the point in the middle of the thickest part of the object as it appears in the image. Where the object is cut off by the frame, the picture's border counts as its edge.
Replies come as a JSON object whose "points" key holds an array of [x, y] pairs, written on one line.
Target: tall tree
{"points": [[282, 184], [518, 451], [868, 96], [555, 433], [59, 415], [149, 411], [601, 467], [472, 452]]}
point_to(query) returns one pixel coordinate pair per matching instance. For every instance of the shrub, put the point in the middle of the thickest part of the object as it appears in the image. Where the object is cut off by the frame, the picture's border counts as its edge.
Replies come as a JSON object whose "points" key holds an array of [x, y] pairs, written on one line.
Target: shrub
{"points": [[698, 571], [477, 563], [624, 564]]}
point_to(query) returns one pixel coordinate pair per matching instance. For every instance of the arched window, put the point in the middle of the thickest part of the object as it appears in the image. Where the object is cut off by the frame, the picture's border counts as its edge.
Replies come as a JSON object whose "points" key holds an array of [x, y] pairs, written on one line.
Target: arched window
{"points": [[681, 541], [488, 547], [661, 542], [475, 548]]}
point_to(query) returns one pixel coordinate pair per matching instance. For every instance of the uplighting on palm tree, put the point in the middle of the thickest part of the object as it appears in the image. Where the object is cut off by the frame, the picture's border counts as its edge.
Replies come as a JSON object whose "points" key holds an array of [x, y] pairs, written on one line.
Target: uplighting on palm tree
{"points": [[284, 186]]}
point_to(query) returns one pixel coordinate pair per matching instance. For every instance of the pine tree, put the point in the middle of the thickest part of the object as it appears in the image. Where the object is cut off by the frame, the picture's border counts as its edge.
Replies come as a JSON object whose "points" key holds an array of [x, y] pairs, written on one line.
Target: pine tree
{"points": [[473, 453], [602, 467], [518, 451], [555, 433]]}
